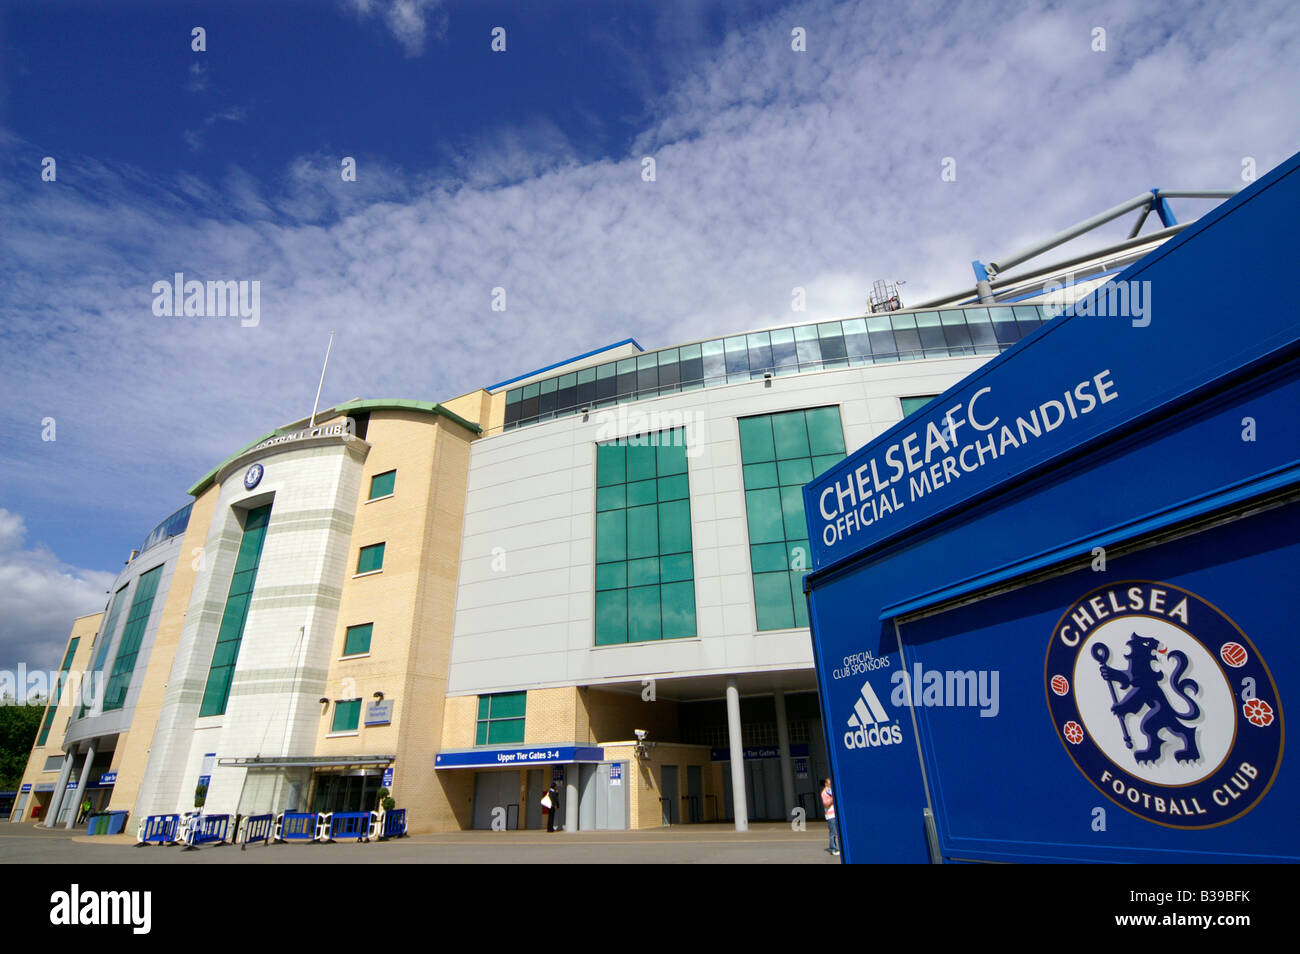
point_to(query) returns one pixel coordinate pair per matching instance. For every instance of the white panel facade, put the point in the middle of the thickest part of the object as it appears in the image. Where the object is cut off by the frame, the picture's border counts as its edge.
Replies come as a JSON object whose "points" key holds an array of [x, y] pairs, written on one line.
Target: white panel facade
{"points": [[284, 654], [525, 600]]}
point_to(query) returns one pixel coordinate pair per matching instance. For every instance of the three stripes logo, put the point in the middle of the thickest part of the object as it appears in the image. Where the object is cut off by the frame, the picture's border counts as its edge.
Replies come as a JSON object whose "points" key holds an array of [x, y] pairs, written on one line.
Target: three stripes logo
{"points": [[870, 725]]}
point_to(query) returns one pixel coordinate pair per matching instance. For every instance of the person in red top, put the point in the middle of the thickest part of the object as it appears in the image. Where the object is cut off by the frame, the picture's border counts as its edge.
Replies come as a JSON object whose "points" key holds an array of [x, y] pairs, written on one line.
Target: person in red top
{"points": [[828, 803]]}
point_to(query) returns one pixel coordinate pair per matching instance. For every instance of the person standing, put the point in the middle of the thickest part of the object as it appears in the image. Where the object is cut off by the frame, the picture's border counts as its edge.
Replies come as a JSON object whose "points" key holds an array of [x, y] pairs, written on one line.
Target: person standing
{"points": [[551, 805], [828, 803], [85, 810]]}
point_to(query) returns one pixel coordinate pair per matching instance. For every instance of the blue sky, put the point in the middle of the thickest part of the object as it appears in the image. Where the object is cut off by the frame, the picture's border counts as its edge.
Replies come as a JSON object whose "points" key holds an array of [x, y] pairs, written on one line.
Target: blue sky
{"points": [[522, 169]]}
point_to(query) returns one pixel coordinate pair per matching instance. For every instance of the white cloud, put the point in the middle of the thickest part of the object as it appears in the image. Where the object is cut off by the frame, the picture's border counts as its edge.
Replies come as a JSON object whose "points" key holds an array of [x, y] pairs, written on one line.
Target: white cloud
{"points": [[408, 20], [775, 169], [39, 598]]}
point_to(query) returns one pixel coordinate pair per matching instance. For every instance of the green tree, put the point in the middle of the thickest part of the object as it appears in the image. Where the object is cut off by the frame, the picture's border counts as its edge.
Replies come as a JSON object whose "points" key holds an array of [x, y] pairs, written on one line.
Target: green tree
{"points": [[18, 728]]}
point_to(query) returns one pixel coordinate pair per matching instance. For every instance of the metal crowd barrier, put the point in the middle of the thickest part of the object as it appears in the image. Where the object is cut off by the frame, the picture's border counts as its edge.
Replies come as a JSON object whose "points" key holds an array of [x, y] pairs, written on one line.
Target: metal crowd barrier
{"points": [[158, 830], [207, 830], [359, 825], [256, 828], [392, 824], [295, 826]]}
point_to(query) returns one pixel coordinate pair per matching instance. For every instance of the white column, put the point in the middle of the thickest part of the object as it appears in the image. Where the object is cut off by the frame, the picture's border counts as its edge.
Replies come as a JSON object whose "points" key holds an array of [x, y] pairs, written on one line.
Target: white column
{"points": [[740, 808], [783, 744], [81, 785], [571, 797], [56, 796]]}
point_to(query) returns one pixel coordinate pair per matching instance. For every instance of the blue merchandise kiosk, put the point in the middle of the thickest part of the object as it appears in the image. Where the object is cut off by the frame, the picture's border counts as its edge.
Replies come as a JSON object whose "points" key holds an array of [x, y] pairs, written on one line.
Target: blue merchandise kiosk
{"points": [[1053, 611]]}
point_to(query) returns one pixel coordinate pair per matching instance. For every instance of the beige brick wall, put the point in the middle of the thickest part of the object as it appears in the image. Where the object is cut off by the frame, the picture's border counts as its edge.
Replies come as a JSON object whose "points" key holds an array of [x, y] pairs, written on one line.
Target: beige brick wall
{"points": [[645, 777], [410, 604], [83, 629], [551, 716], [613, 716]]}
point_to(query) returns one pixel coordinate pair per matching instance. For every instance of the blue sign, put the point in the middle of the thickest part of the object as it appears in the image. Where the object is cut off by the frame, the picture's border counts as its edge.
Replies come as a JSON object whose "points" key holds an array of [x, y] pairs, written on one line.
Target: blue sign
{"points": [[253, 476], [379, 713], [616, 773], [1051, 605], [387, 780], [506, 758], [26, 787], [108, 778]]}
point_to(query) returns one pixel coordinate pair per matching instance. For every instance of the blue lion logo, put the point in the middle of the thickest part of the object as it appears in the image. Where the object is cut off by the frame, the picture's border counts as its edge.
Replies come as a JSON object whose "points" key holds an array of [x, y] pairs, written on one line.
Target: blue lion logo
{"points": [[1142, 680]]}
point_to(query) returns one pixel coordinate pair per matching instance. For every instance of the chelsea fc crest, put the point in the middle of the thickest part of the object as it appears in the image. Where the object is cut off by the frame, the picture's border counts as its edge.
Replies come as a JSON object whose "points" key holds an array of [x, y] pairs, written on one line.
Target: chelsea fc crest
{"points": [[1164, 704], [253, 476]]}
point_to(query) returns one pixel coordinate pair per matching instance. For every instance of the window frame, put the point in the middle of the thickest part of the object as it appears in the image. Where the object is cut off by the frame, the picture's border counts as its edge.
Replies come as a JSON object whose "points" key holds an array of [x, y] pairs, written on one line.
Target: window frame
{"points": [[355, 728], [347, 634], [391, 487], [362, 551], [483, 724]]}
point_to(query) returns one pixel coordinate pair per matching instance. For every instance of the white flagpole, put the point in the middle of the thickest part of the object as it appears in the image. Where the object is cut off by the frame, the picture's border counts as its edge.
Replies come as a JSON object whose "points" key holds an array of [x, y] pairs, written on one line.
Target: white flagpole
{"points": [[322, 379]]}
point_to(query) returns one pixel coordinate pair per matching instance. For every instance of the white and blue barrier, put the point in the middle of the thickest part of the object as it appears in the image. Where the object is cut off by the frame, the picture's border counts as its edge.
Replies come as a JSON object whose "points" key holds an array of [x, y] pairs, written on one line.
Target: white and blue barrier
{"points": [[206, 830], [392, 824], [256, 828], [361, 826], [295, 826], [159, 830]]}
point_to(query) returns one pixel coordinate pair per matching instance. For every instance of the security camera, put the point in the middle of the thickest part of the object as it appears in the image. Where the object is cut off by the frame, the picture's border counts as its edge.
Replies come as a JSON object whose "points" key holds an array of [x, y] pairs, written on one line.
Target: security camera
{"points": [[640, 734]]}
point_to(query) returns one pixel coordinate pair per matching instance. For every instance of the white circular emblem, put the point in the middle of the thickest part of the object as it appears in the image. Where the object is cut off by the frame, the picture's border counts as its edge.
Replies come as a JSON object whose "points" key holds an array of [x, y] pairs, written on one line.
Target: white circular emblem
{"points": [[1206, 705], [253, 476]]}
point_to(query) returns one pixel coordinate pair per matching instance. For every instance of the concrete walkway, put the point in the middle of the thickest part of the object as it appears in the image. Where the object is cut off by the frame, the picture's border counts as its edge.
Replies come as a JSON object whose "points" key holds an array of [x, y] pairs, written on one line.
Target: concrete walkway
{"points": [[772, 843]]}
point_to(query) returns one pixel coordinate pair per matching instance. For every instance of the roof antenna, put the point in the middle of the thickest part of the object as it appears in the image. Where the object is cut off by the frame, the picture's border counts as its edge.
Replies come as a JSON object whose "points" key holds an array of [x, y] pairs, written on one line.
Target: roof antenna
{"points": [[322, 379]]}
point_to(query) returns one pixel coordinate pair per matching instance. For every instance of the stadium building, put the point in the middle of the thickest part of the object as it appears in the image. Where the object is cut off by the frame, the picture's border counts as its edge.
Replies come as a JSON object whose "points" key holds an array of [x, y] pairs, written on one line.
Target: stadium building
{"points": [[589, 575]]}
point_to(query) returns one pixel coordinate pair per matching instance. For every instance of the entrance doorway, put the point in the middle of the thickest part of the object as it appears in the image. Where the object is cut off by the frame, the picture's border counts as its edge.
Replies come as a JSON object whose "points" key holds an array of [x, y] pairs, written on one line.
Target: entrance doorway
{"points": [[346, 792]]}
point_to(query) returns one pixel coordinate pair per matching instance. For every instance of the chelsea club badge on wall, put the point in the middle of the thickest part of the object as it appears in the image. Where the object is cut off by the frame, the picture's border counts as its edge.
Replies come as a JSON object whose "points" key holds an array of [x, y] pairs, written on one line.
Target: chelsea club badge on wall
{"points": [[1164, 704], [253, 476]]}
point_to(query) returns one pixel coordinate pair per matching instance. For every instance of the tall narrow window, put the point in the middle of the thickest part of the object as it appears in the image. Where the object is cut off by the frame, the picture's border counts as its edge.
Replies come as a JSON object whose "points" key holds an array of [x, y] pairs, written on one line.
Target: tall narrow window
{"points": [[132, 635], [780, 453], [58, 691], [217, 692], [645, 573], [104, 640]]}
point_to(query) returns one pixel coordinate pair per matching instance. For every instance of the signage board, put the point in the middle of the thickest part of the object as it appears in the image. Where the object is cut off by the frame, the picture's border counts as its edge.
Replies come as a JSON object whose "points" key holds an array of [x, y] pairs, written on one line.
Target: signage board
{"points": [[1044, 605]]}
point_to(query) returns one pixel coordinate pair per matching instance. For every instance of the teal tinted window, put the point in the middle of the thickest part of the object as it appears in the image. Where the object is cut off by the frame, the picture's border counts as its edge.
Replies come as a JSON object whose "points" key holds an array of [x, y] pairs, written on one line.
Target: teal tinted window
{"points": [[913, 404], [370, 558], [645, 584], [231, 632], [357, 640], [105, 639], [128, 650], [501, 718], [347, 715], [381, 485], [779, 454], [58, 691], [879, 339]]}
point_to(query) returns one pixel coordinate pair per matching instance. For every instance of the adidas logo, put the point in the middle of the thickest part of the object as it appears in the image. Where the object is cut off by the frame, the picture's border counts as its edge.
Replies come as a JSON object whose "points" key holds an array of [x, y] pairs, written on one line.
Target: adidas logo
{"points": [[870, 725]]}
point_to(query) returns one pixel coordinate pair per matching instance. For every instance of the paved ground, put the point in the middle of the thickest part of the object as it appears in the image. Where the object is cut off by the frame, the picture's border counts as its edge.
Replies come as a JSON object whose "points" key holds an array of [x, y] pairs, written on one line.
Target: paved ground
{"points": [[685, 844]]}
